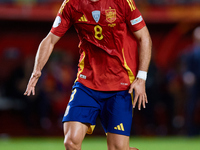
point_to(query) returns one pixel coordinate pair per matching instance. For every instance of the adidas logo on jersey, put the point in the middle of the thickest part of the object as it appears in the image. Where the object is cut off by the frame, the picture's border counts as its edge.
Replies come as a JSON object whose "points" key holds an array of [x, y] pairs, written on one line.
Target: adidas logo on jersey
{"points": [[82, 19], [119, 127]]}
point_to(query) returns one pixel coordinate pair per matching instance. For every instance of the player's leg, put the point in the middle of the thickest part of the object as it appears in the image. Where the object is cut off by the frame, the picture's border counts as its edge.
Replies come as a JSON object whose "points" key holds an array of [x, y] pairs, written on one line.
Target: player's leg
{"points": [[117, 141], [116, 118], [81, 112], [74, 133]]}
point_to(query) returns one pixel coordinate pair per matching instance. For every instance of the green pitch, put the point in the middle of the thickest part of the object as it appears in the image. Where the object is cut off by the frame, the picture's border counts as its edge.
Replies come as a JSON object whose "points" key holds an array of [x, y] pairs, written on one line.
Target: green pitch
{"points": [[99, 143]]}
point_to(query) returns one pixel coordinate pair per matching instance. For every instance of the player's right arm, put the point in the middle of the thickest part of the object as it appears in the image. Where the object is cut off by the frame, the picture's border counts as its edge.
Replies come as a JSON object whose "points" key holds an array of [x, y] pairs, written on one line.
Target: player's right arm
{"points": [[44, 51]]}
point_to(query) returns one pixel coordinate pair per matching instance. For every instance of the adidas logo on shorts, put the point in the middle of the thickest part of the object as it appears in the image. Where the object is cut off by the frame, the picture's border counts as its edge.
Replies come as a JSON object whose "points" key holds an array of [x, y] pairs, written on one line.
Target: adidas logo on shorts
{"points": [[119, 127]]}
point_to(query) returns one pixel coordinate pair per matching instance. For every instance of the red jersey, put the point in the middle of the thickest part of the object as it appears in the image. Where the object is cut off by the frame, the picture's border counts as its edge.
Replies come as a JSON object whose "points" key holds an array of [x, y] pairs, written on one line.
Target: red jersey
{"points": [[108, 50]]}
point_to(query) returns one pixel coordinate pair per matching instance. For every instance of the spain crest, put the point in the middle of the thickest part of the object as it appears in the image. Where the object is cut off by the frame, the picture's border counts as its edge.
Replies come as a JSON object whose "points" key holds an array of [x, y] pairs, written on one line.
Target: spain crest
{"points": [[110, 15]]}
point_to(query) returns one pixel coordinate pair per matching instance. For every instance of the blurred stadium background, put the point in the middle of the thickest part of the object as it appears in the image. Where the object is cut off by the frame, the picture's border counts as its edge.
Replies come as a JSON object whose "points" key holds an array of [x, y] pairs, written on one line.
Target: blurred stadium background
{"points": [[173, 84]]}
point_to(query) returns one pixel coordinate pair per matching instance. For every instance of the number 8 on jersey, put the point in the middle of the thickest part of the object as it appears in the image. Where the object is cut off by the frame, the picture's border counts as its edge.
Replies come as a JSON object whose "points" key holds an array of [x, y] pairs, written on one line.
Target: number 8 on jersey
{"points": [[98, 32]]}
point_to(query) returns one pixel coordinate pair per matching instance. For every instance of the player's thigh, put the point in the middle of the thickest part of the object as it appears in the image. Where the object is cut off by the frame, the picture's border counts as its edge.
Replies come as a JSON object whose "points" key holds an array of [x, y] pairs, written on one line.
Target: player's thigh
{"points": [[75, 131], [117, 141]]}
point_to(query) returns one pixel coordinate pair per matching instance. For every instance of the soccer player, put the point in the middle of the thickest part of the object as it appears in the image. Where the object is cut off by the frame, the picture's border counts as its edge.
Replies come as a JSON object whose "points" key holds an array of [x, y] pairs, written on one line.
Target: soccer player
{"points": [[111, 32]]}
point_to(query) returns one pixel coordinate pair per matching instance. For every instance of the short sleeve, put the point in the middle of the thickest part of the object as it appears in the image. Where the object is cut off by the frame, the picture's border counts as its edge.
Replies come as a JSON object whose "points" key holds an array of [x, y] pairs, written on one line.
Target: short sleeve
{"points": [[63, 19], [134, 18]]}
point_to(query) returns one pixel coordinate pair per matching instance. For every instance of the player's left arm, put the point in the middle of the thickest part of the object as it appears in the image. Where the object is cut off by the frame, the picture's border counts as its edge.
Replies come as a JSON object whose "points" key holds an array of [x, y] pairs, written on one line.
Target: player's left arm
{"points": [[145, 45]]}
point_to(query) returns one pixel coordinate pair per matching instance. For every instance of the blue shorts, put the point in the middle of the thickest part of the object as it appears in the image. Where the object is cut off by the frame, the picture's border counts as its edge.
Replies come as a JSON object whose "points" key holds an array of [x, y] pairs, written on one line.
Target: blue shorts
{"points": [[113, 108]]}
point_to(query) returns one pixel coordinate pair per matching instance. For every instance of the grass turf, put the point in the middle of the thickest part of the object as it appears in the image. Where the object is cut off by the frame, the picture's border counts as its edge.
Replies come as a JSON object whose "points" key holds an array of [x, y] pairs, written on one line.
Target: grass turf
{"points": [[99, 143]]}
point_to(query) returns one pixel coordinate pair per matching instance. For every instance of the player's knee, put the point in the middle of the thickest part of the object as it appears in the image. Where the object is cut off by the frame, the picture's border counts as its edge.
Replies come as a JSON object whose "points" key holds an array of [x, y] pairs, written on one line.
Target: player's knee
{"points": [[71, 145], [118, 146]]}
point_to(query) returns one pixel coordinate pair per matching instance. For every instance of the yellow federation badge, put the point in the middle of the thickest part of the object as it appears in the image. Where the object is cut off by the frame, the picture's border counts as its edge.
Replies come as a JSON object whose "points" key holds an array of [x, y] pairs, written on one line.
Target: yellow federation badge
{"points": [[110, 15]]}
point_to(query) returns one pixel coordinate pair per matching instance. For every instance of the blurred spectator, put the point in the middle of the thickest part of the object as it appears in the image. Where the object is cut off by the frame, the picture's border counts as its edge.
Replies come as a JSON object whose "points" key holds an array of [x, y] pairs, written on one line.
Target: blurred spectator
{"points": [[46, 108], [191, 78], [6, 1], [56, 82], [176, 89]]}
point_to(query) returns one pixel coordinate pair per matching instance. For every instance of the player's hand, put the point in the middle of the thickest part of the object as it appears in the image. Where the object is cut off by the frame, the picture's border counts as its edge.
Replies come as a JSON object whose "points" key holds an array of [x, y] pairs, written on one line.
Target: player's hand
{"points": [[32, 82], [140, 93]]}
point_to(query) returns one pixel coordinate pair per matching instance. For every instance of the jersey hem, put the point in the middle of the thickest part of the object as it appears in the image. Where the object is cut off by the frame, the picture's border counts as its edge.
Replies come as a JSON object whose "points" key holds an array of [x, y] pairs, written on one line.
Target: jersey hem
{"points": [[103, 89]]}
